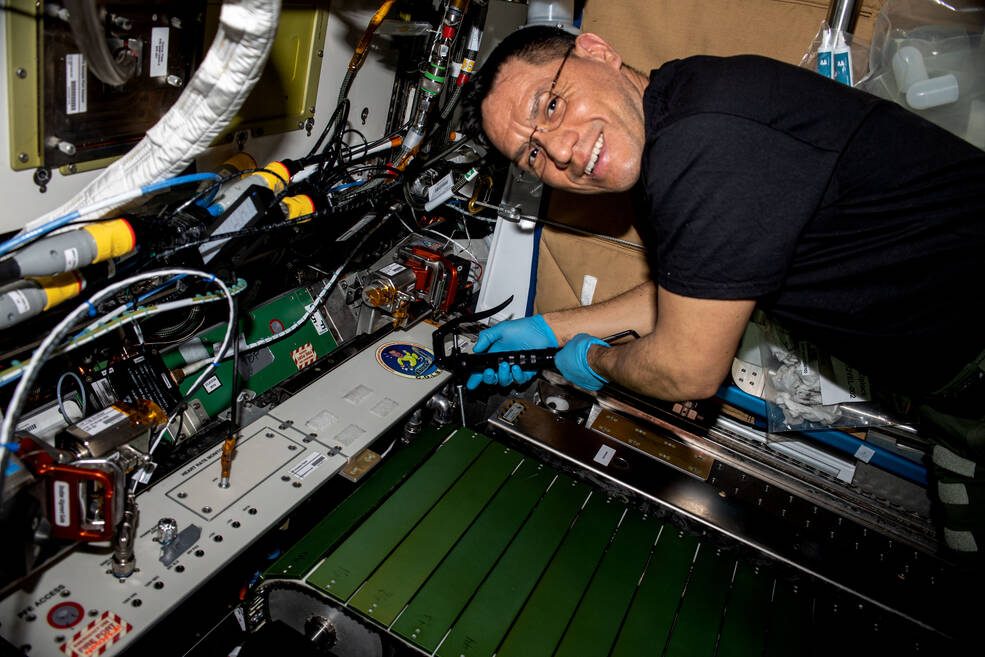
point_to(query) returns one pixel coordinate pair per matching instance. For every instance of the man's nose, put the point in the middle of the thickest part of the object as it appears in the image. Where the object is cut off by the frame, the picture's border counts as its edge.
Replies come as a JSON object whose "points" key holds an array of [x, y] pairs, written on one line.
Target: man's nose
{"points": [[560, 145]]}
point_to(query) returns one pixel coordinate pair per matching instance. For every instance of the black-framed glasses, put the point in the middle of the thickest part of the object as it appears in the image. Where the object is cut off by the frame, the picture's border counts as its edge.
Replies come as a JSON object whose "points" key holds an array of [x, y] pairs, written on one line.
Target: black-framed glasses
{"points": [[549, 112]]}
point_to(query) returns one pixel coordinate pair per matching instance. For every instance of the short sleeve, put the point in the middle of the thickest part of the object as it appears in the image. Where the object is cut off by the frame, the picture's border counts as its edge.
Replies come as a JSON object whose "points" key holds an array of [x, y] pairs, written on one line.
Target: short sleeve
{"points": [[727, 198]]}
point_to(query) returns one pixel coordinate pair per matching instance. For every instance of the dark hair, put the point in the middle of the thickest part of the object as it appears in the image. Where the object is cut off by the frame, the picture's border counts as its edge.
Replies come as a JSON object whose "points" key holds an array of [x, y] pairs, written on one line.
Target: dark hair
{"points": [[537, 44]]}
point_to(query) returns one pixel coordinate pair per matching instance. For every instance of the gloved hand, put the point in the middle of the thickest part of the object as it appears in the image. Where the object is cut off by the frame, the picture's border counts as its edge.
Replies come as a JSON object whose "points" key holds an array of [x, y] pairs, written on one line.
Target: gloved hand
{"points": [[572, 362], [514, 335]]}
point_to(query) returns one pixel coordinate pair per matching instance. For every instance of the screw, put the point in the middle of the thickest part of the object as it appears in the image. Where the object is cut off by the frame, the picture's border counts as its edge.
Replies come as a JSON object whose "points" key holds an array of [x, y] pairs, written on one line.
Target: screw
{"points": [[21, 72], [22, 157]]}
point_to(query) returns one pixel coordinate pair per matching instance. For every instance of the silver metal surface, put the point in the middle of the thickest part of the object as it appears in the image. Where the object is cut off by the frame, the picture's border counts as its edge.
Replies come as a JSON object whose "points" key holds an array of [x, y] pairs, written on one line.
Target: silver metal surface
{"points": [[613, 464], [821, 489]]}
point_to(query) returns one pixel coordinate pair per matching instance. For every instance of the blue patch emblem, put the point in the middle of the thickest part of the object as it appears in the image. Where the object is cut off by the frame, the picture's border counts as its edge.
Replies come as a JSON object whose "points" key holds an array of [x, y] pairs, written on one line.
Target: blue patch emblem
{"points": [[407, 359]]}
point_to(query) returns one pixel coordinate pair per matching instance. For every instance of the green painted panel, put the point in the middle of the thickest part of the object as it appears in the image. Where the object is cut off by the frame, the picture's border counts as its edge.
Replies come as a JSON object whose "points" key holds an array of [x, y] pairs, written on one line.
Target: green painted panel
{"points": [[790, 621], [359, 555], [488, 616], [272, 363], [398, 578], [596, 623], [744, 632], [651, 615], [439, 602], [540, 625], [700, 615], [307, 552]]}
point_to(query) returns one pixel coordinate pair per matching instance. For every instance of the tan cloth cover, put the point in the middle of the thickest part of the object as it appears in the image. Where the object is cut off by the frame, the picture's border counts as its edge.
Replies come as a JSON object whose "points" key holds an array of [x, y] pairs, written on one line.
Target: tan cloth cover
{"points": [[648, 33]]}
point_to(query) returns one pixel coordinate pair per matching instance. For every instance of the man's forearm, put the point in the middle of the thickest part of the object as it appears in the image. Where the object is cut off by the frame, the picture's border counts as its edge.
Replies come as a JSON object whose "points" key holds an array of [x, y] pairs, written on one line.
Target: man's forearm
{"points": [[635, 309]]}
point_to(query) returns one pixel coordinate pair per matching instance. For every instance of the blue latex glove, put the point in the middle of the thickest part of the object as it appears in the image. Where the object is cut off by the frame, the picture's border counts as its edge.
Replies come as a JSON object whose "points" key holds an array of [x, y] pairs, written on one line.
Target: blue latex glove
{"points": [[515, 335], [572, 362]]}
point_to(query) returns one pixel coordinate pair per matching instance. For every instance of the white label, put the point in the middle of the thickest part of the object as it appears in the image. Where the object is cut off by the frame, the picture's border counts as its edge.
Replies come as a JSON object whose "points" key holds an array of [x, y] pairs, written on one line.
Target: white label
{"points": [[101, 420], [103, 390], [308, 465], [75, 83], [20, 301], [240, 618], [159, 52], [864, 453], [193, 351], [212, 384], [316, 319], [849, 385], [441, 188], [392, 269], [63, 512], [144, 474], [71, 259], [234, 222], [604, 455], [588, 285]]}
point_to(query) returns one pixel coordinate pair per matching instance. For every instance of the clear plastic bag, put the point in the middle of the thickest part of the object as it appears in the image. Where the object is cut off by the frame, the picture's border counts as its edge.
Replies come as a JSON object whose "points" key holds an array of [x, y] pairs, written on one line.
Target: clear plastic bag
{"points": [[809, 390], [826, 43], [929, 56]]}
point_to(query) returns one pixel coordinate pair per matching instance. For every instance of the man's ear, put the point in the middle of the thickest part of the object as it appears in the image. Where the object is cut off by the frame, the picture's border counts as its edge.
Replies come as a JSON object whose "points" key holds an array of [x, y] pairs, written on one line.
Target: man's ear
{"points": [[592, 46]]}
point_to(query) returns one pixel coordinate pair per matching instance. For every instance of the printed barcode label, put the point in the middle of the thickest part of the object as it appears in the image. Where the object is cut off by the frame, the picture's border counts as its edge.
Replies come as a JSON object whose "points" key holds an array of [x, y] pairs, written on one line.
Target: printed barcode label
{"points": [[75, 83], [308, 465], [159, 52]]}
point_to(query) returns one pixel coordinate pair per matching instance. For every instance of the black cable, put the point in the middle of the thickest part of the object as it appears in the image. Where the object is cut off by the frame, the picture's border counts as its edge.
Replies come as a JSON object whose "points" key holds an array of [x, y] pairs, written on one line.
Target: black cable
{"points": [[234, 407], [365, 145], [328, 126]]}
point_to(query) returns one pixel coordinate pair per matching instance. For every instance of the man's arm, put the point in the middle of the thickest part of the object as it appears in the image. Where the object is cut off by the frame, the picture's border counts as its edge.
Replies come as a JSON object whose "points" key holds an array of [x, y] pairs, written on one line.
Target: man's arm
{"points": [[634, 309], [686, 356]]}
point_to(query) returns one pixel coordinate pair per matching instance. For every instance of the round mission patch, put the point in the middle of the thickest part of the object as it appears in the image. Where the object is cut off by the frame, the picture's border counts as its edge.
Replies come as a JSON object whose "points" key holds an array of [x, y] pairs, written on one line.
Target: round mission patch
{"points": [[407, 359]]}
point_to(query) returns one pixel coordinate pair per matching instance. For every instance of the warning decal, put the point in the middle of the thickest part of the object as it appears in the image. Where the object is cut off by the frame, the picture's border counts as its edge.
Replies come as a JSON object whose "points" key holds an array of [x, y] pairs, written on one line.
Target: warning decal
{"points": [[97, 637], [304, 356]]}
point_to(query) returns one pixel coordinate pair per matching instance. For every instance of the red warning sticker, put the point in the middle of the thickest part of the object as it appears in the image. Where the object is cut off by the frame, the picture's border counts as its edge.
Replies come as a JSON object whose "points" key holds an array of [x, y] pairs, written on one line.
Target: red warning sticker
{"points": [[304, 356], [97, 636]]}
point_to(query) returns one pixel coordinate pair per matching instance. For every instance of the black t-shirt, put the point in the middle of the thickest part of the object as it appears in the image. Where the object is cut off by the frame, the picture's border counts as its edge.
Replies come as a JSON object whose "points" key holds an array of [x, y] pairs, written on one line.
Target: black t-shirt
{"points": [[857, 223]]}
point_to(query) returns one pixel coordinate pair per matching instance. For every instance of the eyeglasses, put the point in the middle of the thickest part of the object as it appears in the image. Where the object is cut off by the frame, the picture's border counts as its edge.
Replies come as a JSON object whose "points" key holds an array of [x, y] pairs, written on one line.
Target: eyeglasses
{"points": [[549, 112]]}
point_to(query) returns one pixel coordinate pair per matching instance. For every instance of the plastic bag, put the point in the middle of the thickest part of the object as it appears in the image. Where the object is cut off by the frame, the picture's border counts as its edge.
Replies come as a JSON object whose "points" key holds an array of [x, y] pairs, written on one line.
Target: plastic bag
{"points": [[833, 52], [929, 56], [808, 390]]}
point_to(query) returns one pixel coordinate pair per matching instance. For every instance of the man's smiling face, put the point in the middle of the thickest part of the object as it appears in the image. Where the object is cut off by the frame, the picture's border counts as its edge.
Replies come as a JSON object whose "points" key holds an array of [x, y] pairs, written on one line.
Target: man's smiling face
{"points": [[586, 134]]}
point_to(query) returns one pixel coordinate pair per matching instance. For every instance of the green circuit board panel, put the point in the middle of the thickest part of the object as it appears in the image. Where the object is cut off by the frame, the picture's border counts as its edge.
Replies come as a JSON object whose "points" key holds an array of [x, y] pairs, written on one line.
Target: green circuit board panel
{"points": [[262, 368], [483, 551]]}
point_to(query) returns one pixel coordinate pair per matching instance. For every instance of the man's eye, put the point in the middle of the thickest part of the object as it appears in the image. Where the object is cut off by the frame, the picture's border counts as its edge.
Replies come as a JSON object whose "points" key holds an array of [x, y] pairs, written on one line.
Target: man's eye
{"points": [[551, 106], [533, 156]]}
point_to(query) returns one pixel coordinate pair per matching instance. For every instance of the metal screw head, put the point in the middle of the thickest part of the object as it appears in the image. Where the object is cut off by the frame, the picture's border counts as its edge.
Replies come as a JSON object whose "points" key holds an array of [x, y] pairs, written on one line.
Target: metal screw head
{"points": [[21, 72], [23, 157]]}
